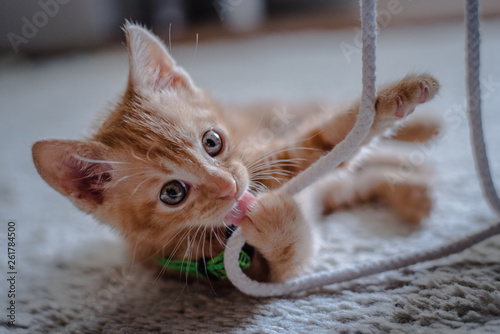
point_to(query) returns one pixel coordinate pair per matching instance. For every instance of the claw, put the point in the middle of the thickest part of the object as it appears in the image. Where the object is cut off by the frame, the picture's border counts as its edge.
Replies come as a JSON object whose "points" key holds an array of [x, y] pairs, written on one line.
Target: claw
{"points": [[424, 93], [400, 112]]}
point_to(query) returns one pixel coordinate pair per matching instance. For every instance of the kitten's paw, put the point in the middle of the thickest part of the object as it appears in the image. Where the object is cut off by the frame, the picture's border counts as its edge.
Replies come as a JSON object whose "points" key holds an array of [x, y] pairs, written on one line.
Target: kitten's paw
{"points": [[336, 194], [412, 202], [400, 99], [272, 219], [276, 227]]}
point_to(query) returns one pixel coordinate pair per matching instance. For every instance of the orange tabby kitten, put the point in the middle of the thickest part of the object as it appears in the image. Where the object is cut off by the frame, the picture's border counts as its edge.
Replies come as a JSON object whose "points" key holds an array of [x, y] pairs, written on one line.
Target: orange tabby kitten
{"points": [[171, 170]]}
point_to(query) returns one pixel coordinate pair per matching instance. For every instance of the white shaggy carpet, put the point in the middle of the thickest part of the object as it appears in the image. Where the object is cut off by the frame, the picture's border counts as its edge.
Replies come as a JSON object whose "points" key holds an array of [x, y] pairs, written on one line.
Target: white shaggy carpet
{"points": [[73, 274]]}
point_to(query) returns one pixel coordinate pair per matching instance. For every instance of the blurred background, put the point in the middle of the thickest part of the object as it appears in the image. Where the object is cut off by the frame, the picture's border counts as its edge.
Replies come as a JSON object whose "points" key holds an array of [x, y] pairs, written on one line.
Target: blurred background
{"points": [[45, 27]]}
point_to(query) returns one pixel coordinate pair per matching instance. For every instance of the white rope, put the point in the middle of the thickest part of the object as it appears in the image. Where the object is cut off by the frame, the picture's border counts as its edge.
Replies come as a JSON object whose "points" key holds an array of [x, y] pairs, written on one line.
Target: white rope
{"points": [[359, 132], [366, 112], [474, 104], [316, 280], [324, 165]]}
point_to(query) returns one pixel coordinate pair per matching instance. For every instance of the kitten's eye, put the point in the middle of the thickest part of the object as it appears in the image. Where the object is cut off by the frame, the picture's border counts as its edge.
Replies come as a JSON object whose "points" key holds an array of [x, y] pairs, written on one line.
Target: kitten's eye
{"points": [[212, 142], [173, 192]]}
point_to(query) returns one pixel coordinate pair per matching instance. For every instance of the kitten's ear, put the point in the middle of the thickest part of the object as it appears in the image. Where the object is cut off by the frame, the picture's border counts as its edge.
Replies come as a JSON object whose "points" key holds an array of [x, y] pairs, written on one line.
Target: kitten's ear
{"points": [[151, 66], [75, 169]]}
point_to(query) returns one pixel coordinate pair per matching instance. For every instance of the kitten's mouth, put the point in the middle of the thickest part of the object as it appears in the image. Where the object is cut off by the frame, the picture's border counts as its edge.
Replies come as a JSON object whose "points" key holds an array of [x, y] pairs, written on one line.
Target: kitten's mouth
{"points": [[235, 216]]}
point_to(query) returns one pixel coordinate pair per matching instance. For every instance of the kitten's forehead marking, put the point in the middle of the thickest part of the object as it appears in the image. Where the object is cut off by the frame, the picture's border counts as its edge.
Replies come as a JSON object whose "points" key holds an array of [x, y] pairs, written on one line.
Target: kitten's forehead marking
{"points": [[189, 118]]}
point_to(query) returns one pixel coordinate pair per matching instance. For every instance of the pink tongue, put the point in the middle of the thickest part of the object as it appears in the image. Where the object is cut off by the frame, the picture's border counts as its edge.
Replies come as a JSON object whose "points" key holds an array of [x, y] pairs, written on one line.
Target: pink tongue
{"points": [[236, 215]]}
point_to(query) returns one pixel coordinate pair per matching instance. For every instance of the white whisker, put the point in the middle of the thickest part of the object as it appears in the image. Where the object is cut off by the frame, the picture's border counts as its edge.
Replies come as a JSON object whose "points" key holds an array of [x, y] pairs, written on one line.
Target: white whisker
{"points": [[135, 156], [138, 186], [74, 155], [195, 49], [170, 38], [126, 177]]}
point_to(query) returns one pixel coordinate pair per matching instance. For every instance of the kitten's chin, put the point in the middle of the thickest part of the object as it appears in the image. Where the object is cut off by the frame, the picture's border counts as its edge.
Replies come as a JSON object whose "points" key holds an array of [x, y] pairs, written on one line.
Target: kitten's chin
{"points": [[239, 210]]}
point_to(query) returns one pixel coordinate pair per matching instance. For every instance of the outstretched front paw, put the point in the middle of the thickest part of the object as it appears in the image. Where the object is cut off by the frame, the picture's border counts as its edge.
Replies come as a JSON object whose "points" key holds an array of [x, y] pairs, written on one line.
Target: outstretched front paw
{"points": [[399, 99]]}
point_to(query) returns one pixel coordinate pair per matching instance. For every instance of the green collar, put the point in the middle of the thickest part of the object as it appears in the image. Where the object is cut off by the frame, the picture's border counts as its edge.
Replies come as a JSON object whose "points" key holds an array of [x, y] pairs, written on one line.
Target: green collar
{"points": [[213, 268]]}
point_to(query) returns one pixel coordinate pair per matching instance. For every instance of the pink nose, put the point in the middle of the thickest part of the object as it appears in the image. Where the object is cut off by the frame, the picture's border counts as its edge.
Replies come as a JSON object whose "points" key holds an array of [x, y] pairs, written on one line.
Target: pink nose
{"points": [[226, 188]]}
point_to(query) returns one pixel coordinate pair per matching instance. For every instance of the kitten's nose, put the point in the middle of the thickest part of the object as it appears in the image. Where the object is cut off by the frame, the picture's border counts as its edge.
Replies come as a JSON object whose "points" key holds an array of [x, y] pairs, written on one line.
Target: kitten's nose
{"points": [[227, 188]]}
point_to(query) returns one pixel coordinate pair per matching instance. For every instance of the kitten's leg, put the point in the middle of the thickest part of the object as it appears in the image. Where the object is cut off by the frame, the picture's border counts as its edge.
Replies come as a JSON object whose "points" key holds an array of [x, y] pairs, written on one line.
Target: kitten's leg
{"points": [[409, 196], [394, 102], [278, 231], [419, 128], [410, 200]]}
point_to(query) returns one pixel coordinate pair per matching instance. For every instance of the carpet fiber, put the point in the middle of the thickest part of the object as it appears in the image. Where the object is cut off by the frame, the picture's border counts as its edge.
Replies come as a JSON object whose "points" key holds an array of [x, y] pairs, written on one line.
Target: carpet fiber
{"points": [[74, 275]]}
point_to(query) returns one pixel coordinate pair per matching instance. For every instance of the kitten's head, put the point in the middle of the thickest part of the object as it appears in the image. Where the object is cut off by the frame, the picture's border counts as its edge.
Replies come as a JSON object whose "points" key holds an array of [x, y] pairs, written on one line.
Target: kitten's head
{"points": [[160, 162]]}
